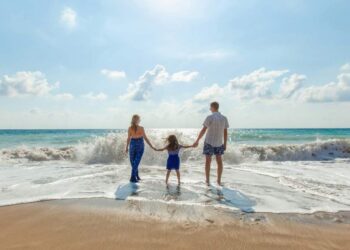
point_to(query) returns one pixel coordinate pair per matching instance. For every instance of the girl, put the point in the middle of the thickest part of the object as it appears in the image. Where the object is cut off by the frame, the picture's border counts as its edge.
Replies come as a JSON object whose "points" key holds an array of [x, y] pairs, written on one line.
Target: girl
{"points": [[173, 161], [136, 134]]}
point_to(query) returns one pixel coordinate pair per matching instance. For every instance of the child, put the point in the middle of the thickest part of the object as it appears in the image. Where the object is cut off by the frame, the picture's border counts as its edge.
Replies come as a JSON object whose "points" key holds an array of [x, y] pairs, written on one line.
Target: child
{"points": [[173, 161]]}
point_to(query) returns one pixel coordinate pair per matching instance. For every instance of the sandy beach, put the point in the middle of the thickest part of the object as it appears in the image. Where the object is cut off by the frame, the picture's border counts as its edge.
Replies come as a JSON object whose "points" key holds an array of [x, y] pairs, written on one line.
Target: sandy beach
{"points": [[96, 224]]}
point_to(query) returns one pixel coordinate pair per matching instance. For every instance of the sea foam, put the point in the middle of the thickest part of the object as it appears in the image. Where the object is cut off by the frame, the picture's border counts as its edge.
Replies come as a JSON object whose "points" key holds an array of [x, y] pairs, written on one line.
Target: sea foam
{"points": [[110, 149]]}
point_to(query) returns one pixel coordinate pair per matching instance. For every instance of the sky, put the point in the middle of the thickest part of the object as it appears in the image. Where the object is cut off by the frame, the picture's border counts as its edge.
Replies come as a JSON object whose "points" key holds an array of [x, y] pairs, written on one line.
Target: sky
{"points": [[92, 64]]}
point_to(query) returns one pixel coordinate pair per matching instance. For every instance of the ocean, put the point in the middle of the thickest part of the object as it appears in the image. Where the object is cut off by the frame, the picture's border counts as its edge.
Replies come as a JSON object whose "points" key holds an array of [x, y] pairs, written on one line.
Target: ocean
{"points": [[265, 170]]}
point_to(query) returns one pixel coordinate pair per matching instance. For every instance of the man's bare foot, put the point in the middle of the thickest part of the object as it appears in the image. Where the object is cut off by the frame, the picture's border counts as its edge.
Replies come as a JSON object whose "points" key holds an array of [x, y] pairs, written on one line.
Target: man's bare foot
{"points": [[208, 183], [219, 183]]}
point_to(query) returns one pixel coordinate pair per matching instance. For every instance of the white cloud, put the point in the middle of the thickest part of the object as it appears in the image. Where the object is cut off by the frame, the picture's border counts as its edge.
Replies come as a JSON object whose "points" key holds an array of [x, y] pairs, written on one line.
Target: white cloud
{"points": [[69, 17], [141, 89], [158, 75], [184, 76], [345, 67], [95, 97], [63, 97], [209, 93], [113, 74], [26, 83], [290, 85], [332, 92], [256, 84]]}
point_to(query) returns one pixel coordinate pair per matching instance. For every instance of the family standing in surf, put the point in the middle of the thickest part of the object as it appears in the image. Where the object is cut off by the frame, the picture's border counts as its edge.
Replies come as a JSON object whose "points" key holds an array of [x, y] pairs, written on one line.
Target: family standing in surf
{"points": [[214, 128]]}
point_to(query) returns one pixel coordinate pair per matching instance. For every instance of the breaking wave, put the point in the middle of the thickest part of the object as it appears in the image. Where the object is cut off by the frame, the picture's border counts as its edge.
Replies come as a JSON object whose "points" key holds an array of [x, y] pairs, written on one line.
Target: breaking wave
{"points": [[110, 149]]}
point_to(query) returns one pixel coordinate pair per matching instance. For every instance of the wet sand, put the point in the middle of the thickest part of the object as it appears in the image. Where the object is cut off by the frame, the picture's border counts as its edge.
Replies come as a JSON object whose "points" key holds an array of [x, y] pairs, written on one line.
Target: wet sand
{"points": [[97, 224]]}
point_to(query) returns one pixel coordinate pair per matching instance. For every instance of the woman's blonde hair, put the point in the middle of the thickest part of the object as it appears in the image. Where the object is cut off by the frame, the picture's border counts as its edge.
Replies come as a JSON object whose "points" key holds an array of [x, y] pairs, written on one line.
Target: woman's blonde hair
{"points": [[135, 118]]}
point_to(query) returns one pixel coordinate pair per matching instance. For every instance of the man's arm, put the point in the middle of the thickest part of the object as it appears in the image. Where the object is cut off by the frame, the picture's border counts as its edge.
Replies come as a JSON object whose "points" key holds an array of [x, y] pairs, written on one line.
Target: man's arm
{"points": [[225, 138], [225, 132], [204, 129]]}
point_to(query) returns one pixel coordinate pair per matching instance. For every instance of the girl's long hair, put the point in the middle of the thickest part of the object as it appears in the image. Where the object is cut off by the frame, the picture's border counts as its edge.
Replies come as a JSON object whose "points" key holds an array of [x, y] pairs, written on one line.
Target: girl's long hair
{"points": [[173, 143], [134, 121]]}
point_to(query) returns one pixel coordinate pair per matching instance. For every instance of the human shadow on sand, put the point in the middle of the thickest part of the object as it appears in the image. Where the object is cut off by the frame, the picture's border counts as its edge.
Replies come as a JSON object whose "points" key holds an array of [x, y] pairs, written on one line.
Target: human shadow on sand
{"points": [[126, 190], [234, 198], [172, 193]]}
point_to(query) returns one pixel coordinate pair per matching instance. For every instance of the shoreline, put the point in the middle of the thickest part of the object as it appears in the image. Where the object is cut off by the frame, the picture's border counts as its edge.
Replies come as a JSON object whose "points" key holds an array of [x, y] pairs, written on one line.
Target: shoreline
{"points": [[98, 223], [120, 204]]}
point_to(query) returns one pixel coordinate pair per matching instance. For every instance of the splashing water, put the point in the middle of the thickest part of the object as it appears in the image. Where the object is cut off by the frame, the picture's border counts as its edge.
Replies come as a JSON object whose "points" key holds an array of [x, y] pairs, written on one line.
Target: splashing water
{"points": [[264, 171]]}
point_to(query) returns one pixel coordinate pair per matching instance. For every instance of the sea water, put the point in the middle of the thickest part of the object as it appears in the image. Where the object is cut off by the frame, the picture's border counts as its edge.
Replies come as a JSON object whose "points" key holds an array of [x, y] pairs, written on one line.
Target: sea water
{"points": [[265, 170]]}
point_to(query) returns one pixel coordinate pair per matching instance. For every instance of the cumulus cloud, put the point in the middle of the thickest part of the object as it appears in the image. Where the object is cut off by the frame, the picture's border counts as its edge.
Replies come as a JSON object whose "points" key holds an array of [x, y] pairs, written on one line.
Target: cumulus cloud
{"points": [[338, 91], [26, 83], [69, 17], [113, 74], [158, 75], [290, 85], [345, 67], [209, 93], [141, 89], [95, 97], [256, 84], [184, 76]]}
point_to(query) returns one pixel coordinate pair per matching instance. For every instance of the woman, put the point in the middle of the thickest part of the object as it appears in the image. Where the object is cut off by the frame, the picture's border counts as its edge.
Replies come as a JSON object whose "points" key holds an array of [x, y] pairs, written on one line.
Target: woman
{"points": [[136, 134]]}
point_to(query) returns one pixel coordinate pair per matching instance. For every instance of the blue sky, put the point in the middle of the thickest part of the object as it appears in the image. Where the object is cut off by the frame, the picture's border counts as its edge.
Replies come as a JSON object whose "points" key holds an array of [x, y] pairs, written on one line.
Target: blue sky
{"points": [[92, 64]]}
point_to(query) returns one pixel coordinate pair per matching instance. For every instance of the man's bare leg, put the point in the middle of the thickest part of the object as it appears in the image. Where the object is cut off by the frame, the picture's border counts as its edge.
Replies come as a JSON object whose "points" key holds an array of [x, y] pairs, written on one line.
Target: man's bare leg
{"points": [[220, 168], [207, 168]]}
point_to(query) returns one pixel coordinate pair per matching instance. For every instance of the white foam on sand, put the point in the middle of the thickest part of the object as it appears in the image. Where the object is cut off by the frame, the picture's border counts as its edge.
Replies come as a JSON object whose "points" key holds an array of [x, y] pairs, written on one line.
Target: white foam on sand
{"points": [[264, 187]]}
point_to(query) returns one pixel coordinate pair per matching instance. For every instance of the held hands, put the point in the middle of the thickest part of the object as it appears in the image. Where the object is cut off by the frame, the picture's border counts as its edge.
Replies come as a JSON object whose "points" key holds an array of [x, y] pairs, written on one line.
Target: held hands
{"points": [[195, 144]]}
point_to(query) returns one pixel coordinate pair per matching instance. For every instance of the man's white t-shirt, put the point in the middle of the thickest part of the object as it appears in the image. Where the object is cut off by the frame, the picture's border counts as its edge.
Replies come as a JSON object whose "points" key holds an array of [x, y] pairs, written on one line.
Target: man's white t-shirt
{"points": [[215, 124]]}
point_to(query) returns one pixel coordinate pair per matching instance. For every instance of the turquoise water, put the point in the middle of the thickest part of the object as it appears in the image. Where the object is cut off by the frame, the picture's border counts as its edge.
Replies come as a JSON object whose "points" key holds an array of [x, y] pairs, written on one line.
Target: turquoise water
{"points": [[268, 136], [59, 138], [49, 137]]}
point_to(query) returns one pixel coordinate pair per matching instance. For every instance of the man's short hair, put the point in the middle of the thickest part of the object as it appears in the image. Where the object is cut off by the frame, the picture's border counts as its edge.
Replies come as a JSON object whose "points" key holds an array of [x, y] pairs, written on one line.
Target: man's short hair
{"points": [[214, 105]]}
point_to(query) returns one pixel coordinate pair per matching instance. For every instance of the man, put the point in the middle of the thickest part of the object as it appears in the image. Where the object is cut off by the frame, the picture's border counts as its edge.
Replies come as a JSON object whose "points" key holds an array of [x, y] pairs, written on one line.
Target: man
{"points": [[215, 140]]}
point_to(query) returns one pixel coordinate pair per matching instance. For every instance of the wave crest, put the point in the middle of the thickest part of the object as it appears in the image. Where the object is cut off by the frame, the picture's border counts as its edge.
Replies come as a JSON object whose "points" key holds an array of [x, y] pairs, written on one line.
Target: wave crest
{"points": [[111, 149]]}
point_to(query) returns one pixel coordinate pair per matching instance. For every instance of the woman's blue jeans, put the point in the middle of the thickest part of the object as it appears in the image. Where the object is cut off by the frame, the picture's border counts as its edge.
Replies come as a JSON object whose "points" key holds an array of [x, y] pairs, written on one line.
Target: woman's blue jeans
{"points": [[136, 149]]}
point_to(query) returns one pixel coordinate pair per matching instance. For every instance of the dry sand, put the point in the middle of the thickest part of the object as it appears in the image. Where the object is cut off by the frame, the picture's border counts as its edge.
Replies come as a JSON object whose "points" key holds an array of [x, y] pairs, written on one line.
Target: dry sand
{"points": [[58, 225]]}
